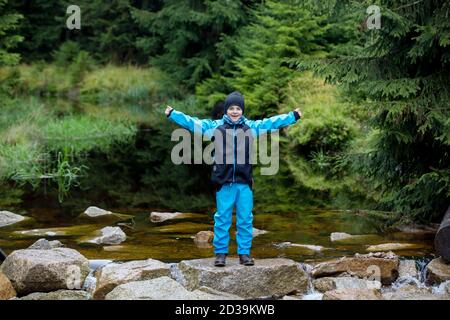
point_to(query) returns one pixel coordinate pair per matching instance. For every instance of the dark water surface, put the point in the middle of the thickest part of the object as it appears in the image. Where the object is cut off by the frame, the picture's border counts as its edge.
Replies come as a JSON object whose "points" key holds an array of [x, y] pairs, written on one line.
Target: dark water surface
{"points": [[171, 240]]}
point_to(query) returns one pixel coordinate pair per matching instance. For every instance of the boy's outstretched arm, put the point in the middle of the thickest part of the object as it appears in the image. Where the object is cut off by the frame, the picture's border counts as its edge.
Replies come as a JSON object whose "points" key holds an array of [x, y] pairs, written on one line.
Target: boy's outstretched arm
{"points": [[275, 122], [190, 123]]}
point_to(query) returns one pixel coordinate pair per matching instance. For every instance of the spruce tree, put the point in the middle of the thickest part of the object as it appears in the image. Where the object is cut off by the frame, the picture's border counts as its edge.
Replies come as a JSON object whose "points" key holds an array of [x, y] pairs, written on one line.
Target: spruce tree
{"points": [[8, 40], [185, 38], [400, 72]]}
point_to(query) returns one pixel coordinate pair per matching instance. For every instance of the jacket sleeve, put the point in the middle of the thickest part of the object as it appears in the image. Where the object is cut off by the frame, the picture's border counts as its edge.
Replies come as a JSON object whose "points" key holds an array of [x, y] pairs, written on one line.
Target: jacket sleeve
{"points": [[192, 124], [273, 123]]}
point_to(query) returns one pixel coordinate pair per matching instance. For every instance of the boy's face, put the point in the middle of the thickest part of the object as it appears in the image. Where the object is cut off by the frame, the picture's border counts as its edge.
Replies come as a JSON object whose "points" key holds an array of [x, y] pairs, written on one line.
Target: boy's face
{"points": [[235, 113]]}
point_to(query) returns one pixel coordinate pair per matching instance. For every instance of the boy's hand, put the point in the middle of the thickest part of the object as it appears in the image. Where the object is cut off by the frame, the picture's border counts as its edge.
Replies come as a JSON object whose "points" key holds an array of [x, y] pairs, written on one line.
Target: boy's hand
{"points": [[168, 109], [299, 112]]}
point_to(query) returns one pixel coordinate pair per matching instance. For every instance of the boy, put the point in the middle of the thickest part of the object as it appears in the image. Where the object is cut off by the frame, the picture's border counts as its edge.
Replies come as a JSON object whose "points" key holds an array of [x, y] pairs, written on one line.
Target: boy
{"points": [[232, 170]]}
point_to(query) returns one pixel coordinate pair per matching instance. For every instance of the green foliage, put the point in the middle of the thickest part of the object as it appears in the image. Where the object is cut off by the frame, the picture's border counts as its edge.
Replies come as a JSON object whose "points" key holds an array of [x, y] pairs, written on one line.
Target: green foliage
{"points": [[8, 41], [82, 78], [401, 73], [186, 38], [41, 27], [66, 53], [315, 154], [282, 31], [108, 31], [36, 144]]}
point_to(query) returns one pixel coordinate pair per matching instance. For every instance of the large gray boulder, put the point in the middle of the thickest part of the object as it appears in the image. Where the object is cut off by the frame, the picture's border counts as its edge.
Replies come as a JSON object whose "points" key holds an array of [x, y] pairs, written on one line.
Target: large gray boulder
{"points": [[59, 295], [164, 288], [268, 277], [115, 274], [7, 218], [374, 266], [438, 271], [32, 270]]}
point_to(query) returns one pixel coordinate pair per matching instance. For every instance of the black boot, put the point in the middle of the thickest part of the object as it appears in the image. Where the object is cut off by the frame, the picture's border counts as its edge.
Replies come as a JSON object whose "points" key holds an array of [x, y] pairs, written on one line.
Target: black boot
{"points": [[220, 260], [246, 260]]}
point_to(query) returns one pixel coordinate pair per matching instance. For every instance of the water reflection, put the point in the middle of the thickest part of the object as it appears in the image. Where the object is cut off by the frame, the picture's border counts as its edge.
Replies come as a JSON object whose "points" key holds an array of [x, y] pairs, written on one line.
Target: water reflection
{"points": [[172, 240]]}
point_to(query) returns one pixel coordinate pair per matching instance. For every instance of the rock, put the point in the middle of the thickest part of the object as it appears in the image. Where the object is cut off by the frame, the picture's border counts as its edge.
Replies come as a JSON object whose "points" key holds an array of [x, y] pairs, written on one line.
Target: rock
{"points": [[438, 271], [114, 274], [44, 244], [6, 289], [305, 246], [32, 270], [372, 266], [258, 232], [59, 295], [204, 237], [95, 212], [407, 269], [110, 235], [207, 293], [352, 294], [268, 277], [163, 216], [163, 288], [77, 230], [412, 292], [393, 247], [337, 236], [309, 247], [351, 238], [333, 283], [103, 216], [7, 218], [181, 228]]}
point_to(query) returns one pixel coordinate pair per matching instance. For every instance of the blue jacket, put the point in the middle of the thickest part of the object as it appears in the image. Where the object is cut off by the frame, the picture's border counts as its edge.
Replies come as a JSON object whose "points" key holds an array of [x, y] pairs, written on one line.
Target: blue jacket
{"points": [[232, 142]]}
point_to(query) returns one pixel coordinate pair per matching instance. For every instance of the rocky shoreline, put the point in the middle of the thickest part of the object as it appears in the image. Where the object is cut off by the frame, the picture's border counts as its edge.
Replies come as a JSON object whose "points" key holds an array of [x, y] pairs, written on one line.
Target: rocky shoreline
{"points": [[47, 271]]}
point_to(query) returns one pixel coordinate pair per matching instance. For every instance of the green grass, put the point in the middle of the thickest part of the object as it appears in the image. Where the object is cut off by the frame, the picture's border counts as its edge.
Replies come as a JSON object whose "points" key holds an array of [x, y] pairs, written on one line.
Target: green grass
{"points": [[42, 139], [104, 84]]}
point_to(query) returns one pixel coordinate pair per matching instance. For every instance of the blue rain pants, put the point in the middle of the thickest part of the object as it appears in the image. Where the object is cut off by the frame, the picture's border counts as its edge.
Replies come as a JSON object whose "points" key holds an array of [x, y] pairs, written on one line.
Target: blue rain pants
{"points": [[232, 195]]}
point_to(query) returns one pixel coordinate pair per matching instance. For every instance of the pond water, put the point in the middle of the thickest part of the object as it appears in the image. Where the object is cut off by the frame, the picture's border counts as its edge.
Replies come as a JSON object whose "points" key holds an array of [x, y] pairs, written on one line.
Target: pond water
{"points": [[171, 240]]}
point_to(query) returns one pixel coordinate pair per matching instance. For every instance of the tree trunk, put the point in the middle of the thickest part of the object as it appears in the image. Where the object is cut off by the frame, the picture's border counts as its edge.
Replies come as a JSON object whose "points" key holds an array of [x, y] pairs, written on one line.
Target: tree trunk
{"points": [[442, 239]]}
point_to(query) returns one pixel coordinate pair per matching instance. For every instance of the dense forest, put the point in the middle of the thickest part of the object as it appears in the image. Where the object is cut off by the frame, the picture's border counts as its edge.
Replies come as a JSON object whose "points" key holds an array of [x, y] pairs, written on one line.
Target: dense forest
{"points": [[81, 111]]}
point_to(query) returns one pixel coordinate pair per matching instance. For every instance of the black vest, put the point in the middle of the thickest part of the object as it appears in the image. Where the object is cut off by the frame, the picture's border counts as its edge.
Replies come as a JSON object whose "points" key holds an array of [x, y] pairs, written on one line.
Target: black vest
{"points": [[233, 151]]}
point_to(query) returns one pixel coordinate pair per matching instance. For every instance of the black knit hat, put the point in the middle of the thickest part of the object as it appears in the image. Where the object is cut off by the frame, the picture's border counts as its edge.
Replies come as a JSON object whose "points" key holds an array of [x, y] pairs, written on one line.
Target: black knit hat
{"points": [[234, 99]]}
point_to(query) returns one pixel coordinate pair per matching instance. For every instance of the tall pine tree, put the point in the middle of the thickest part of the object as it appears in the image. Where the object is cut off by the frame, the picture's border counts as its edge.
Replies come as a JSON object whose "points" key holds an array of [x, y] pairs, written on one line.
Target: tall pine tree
{"points": [[185, 38], [8, 40], [401, 73]]}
